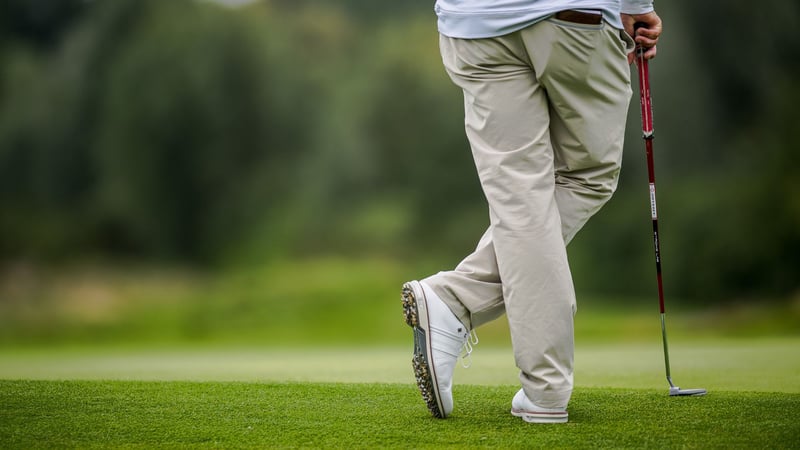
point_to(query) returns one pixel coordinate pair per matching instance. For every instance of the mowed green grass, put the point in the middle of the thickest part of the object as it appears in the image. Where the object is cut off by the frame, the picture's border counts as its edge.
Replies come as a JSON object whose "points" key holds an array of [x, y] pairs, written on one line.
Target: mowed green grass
{"points": [[366, 398], [311, 356], [86, 414]]}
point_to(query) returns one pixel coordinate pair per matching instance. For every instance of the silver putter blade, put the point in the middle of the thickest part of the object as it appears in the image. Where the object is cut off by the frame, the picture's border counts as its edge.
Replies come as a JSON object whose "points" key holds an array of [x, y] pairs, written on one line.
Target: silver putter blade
{"points": [[676, 391]]}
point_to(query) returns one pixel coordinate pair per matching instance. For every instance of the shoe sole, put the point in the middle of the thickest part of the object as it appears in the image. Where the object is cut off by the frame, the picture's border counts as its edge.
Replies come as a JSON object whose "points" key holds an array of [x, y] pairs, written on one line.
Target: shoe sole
{"points": [[416, 316], [541, 417]]}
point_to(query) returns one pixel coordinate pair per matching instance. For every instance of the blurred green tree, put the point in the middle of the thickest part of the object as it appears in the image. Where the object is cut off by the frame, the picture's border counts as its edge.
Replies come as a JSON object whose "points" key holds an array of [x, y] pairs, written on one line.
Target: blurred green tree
{"points": [[188, 131]]}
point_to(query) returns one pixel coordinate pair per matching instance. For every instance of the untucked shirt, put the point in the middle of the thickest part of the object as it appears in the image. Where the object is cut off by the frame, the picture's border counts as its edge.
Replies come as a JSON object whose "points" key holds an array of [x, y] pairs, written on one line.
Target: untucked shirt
{"points": [[474, 19]]}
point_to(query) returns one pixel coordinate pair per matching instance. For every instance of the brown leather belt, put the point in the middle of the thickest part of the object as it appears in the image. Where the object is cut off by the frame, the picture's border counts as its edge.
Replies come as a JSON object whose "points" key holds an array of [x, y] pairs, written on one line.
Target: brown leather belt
{"points": [[580, 17]]}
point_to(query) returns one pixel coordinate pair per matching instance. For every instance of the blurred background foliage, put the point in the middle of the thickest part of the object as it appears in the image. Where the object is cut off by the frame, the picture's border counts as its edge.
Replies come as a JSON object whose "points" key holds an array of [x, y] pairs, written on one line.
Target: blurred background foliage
{"points": [[217, 139]]}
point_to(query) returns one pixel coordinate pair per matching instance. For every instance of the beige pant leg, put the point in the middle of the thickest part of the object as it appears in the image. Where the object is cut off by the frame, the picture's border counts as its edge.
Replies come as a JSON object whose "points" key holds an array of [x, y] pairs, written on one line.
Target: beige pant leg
{"points": [[545, 111]]}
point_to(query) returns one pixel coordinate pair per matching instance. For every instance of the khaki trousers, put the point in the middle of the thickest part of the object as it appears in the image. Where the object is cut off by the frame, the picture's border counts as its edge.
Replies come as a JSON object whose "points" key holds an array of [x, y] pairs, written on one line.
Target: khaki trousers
{"points": [[545, 111]]}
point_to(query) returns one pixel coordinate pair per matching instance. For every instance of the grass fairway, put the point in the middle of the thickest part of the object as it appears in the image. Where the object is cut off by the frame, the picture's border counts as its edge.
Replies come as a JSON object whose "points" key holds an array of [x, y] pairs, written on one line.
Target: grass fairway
{"points": [[283, 358], [47, 414], [763, 365], [366, 398]]}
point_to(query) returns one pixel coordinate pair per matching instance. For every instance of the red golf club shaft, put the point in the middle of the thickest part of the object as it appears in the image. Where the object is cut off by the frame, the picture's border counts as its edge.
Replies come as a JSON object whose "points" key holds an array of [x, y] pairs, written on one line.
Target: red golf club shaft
{"points": [[647, 133]]}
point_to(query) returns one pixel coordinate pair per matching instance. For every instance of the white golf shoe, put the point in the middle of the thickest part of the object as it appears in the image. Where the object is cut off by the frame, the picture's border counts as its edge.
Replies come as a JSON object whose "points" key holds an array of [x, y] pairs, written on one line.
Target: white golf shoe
{"points": [[438, 341], [521, 406]]}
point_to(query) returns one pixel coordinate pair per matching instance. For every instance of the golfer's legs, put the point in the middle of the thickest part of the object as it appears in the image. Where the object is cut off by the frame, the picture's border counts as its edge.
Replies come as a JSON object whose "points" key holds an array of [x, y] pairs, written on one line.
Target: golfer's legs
{"points": [[507, 123], [586, 118]]}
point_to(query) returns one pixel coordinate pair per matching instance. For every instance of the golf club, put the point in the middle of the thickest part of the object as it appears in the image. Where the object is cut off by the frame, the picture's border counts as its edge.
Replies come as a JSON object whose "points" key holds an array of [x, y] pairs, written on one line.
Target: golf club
{"points": [[647, 132]]}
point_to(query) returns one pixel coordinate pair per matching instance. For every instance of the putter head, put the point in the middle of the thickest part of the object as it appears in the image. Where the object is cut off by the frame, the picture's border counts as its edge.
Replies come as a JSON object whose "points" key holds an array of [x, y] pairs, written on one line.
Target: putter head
{"points": [[675, 391]]}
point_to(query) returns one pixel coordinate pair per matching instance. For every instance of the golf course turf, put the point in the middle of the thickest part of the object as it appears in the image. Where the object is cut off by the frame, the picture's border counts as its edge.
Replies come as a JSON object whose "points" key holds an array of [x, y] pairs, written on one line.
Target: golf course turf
{"points": [[357, 390], [48, 414]]}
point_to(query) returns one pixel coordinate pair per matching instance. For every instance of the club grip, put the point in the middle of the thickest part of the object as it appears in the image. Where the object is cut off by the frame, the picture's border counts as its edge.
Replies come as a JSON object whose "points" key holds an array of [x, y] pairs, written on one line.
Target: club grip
{"points": [[639, 48], [644, 89]]}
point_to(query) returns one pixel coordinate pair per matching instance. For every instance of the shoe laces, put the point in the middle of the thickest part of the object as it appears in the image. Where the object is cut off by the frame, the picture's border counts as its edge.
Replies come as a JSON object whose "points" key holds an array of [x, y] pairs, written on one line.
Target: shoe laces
{"points": [[466, 349]]}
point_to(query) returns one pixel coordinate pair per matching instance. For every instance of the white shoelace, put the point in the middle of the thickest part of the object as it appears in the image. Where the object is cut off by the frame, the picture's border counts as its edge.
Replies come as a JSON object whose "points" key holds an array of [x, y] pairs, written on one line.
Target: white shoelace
{"points": [[466, 350]]}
